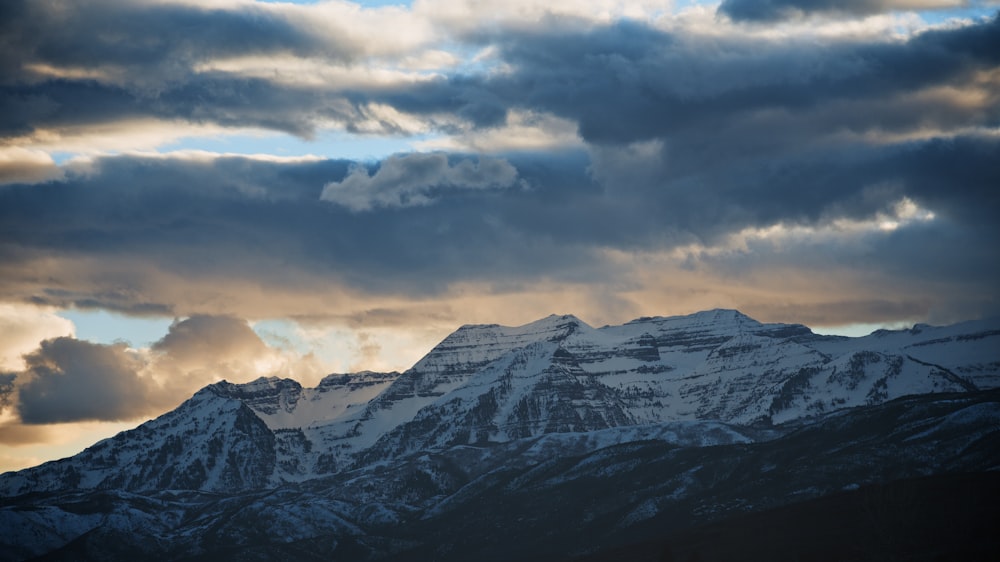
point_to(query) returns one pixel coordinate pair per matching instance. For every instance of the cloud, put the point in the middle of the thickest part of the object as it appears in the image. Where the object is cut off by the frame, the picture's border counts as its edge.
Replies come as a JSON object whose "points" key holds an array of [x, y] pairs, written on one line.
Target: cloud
{"points": [[335, 65], [202, 339], [184, 236], [477, 16], [105, 62], [247, 230], [14, 434], [202, 349], [23, 326], [628, 82], [71, 380], [369, 351], [667, 135], [6, 389], [412, 179], [19, 165], [769, 10], [118, 42], [521, 132]]}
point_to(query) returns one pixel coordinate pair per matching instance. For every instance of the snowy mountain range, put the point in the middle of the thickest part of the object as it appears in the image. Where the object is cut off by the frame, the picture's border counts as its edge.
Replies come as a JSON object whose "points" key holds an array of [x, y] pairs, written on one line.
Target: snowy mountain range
{"points": [[372, 465]]}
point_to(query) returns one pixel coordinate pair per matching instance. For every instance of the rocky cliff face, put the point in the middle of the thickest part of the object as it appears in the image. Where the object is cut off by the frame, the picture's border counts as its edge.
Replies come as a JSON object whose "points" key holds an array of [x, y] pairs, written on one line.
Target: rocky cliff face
{"points": [[559, 375], [212, 442]]}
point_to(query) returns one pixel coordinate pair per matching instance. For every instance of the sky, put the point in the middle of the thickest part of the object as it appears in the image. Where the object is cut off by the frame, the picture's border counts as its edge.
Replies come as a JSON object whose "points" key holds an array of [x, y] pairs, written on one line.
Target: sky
{"points": [[197, 190]]}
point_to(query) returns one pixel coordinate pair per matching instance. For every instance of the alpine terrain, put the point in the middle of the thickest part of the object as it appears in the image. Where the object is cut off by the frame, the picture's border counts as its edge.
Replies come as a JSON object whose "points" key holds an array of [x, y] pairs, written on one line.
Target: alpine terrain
{"points": [[702, 437]]}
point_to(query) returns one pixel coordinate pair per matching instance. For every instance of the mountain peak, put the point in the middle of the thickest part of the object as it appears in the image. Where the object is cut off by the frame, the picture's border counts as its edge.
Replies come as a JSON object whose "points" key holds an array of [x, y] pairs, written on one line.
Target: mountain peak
{"points": [[564, 323], [553, 327], [724, 315], [552, 321], [254, 388], [561, 318], [558, 318]]}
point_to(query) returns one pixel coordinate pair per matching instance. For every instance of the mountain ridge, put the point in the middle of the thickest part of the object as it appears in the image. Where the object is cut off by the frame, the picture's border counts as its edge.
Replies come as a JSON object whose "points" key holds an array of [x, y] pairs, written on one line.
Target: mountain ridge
{"points": [[494, 383], [550, 406]]}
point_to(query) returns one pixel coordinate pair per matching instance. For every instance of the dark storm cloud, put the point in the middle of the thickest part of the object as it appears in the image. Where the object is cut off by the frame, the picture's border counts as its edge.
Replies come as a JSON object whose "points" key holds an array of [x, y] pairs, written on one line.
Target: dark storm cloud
{"points": [[203, 98], [265, 221], [769, 10], [689, 138], [620, 83], [149, 40], [230, 219], [628, 83], [118, 60], [705, 135], [73, 380]]}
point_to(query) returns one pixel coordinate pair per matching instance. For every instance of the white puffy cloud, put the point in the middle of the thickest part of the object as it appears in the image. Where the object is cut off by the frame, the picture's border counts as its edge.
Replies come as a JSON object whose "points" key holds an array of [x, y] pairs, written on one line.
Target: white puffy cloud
{"points": [[412, 179]]}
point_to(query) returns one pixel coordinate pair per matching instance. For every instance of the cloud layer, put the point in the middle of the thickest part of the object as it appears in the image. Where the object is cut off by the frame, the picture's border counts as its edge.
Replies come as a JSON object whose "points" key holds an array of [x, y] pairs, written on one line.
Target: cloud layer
{"points": [[180, 236]]}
